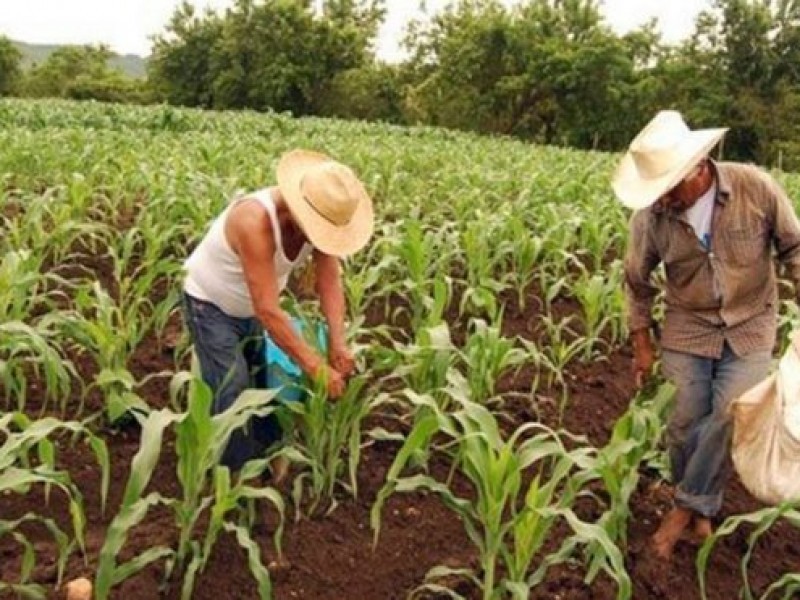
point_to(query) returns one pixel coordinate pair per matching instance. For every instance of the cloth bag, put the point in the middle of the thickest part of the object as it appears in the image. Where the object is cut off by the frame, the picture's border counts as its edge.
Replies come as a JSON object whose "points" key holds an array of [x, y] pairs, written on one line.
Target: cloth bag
{"points": [[766, 432]]}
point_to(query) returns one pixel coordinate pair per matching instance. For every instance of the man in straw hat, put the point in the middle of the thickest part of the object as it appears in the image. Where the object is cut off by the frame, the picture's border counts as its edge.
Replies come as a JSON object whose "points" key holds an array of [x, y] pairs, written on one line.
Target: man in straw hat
{"points": [[235, 277], [714, 226]]}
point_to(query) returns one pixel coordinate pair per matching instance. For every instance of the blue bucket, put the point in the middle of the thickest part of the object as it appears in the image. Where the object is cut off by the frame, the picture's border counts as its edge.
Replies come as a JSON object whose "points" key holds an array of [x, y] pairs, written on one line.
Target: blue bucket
{"points": [[282, 370]]}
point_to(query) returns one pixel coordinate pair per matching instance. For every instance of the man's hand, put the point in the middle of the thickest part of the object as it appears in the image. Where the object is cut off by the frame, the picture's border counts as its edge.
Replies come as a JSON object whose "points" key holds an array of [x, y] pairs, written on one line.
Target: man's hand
{"points": [[342, 360], [334, 381], [643, 356]]}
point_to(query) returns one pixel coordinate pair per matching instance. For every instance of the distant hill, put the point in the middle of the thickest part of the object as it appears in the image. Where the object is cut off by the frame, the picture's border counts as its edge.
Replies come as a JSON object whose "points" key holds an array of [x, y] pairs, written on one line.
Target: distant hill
{"points": [[130, 64]]}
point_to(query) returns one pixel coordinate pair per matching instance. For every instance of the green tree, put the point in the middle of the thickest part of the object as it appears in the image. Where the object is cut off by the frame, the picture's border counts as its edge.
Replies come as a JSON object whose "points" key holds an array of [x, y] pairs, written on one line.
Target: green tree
{"points": [[63, 66], [10, 70], [179, 70], [373, 92], [274, 54], [547, 70]]}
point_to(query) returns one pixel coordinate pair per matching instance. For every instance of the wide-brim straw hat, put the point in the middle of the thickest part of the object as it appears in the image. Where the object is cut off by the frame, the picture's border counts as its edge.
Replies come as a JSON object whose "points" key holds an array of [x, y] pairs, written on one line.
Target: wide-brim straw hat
{"points": [[327, 200], [659, 157]]}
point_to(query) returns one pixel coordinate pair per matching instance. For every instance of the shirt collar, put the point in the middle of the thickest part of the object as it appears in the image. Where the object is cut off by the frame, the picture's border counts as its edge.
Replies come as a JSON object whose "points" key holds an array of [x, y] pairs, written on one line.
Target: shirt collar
{"points": [[723, 189], [723, 182]]}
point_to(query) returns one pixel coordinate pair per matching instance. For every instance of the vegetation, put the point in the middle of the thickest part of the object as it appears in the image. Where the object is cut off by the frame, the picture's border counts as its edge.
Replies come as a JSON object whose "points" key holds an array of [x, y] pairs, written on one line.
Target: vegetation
{"points": [[101, 203], [548, 71]]}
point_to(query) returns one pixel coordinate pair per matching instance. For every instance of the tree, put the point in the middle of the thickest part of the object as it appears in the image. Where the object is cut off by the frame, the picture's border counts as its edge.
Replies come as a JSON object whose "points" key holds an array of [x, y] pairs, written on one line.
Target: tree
{"points": [[53, 77], [179, 69], [10, 70], [372, 93], [548, 70], [274, 54]]}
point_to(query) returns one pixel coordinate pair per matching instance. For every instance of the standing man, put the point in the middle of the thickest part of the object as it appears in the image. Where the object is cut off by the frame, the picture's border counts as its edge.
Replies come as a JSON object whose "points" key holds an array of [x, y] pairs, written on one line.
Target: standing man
{"points": [[715, 226], [234, 279]]}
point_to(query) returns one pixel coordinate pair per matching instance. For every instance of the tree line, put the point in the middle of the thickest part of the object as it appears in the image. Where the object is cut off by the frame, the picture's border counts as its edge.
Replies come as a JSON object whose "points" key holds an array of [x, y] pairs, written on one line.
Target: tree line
{"points": [[548, 71]]}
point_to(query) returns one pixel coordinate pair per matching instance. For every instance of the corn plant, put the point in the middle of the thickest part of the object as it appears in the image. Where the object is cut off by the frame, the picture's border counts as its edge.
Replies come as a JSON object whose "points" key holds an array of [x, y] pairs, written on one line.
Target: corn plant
{"points": [[421, 254], [481, 257], [425, 365], [761, 521], [26, 350], [634, 438], [228, 499], [200, 439], [524, 256], [558, 352], [20, 284], [26, 442], [326, 440], [503, 508], [110, 333], [24, 587], [487, 355], [601, 299], [366, 279]]}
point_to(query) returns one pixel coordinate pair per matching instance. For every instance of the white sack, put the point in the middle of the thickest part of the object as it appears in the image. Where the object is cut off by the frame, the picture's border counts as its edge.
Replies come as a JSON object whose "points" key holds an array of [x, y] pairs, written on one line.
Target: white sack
{"points": [[766, 432]]}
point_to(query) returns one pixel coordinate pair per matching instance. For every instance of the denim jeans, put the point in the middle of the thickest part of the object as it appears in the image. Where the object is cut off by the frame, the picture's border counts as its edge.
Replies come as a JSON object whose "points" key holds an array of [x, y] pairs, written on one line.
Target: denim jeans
{"points": [[699, 431], [230, 351]]}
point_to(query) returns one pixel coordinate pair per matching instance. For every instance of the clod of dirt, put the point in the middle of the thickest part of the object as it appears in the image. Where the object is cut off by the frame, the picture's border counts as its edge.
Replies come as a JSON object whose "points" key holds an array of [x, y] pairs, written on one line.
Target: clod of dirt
{"points": [[79, 589]]}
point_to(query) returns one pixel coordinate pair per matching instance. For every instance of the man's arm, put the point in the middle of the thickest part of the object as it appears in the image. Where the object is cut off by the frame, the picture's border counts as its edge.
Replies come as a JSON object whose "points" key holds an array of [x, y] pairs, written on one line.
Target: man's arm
{"points": [[785, 232], [332, 303], [250, 235], [641, 259]]}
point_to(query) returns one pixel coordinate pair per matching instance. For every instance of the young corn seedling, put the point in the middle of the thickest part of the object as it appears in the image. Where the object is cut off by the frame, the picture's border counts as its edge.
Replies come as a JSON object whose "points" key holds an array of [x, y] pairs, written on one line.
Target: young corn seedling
{"points": [[487, 355], [634, 439], [761, 521], [524, 257], [481, 257], [422, 255], [26, 350], [229, 499], [200, 441], [110, 333], [425, 365], [601, 299], [23, 587], [326, 440], [502, 511], [26, 443]]}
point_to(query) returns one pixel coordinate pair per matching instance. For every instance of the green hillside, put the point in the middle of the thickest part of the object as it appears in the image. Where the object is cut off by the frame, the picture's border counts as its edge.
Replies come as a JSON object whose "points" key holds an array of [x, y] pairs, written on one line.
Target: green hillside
{"points": [[130, 64]]}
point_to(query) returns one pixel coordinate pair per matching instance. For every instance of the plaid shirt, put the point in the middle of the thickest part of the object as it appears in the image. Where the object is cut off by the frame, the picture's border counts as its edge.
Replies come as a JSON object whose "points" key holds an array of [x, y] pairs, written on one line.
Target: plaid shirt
{"points": [[729, 292]]}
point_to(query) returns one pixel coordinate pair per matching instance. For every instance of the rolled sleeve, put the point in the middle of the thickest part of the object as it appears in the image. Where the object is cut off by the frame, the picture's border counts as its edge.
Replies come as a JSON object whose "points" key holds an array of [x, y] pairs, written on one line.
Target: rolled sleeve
{"points": [[641, 259]]}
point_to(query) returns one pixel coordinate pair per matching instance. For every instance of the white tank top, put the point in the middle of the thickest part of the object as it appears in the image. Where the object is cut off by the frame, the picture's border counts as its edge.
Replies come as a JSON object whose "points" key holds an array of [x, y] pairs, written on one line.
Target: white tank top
{"points": [[214, 272]]}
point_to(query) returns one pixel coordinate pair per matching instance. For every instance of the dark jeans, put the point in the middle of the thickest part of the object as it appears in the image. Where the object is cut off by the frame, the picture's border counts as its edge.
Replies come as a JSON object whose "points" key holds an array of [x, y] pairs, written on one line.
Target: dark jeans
{"points": [[231, 355]]}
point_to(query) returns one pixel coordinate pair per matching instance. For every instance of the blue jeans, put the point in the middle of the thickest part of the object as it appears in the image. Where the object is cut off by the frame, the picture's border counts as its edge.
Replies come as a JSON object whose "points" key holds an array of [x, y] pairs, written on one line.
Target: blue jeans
{"points": [[231, 355], [699, 431]]}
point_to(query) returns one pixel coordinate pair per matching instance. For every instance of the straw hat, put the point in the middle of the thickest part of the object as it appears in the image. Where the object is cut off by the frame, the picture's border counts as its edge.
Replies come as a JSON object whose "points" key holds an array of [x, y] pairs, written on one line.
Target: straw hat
{"points": [[327, 200], [660, 157]]}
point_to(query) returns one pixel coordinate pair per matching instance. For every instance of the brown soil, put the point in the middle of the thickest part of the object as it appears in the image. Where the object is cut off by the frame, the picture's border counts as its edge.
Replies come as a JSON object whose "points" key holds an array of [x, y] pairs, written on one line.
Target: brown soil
{"points": [[331, 557]]}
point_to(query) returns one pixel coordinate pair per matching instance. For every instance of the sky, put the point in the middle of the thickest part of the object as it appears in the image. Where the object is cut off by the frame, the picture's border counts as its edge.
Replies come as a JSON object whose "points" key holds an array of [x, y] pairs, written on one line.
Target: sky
{"points": [[126, 25]]}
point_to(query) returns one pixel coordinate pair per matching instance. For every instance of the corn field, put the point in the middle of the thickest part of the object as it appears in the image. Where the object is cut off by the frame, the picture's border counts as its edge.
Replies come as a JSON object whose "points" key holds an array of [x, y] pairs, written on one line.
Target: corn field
{"points": [[492, 445]]}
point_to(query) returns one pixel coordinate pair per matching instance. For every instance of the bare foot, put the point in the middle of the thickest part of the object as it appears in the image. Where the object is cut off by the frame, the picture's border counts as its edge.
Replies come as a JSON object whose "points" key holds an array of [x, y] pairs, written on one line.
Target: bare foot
{"points": [[700, 530], [670, 530]]}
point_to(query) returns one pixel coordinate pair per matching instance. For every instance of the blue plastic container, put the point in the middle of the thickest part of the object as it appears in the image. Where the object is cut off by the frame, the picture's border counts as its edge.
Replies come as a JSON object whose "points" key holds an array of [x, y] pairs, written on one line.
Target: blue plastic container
{"points": [[282, 370]]}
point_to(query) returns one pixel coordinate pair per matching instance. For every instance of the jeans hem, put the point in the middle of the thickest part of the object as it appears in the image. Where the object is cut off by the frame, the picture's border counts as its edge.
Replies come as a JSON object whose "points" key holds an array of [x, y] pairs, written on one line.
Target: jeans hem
{"points": [[707, 505]]}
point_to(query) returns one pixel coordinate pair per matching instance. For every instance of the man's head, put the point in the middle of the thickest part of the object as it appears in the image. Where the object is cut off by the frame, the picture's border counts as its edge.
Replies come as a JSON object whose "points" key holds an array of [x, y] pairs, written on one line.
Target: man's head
{"points": [[666, 159], [327, 201], [690, 188]]}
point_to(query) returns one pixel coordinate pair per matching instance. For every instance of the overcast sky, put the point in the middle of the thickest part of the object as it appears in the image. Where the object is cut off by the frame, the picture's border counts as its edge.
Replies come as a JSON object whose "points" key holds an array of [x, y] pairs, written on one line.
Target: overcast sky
{"points": [[125, 25]]}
